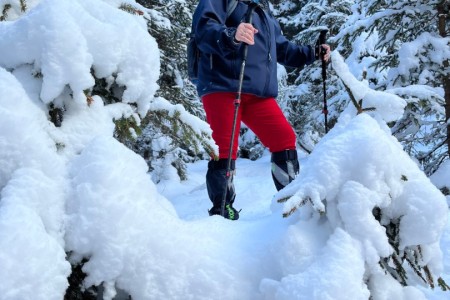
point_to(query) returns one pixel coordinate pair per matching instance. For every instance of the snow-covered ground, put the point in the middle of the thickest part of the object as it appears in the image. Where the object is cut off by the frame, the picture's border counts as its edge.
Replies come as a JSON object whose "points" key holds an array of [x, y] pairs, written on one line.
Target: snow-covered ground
{"points": [[263, 246]]}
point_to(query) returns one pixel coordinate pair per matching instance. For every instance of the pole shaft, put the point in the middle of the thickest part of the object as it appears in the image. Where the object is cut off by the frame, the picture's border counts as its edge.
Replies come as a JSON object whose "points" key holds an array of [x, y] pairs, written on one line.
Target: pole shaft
{"points": [[322, 40], [237, 103]]}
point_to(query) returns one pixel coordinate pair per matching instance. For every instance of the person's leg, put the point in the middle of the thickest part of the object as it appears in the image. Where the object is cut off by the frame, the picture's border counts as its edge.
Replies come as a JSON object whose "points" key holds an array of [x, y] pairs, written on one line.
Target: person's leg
{"points": [[285, 167], [219, 108], [265, 118], [217, 184]]}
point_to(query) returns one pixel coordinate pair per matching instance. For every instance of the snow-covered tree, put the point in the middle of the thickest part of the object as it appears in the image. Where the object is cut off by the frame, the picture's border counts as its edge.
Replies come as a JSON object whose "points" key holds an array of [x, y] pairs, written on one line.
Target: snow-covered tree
{"points": [[303, 95], [172, 143], [403, 47], [163, 136], [400, 46], [374, 193], [67, 61]]}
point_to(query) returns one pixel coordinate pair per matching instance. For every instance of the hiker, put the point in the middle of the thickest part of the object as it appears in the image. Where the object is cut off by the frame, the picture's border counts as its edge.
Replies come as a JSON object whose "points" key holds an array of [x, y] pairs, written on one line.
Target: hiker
{"points": [[221, 39]]}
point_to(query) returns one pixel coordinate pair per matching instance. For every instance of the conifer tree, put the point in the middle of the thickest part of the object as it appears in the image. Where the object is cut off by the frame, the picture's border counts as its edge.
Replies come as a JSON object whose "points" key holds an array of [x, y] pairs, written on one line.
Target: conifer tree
{"points": [[183, 144], [404, 49], [162, 137], [302, 96], [395, 211]]}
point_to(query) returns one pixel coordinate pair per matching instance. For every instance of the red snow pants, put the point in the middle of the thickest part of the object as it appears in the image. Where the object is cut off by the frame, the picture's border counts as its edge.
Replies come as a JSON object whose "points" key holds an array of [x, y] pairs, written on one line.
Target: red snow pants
{"points": [[262, 115]]}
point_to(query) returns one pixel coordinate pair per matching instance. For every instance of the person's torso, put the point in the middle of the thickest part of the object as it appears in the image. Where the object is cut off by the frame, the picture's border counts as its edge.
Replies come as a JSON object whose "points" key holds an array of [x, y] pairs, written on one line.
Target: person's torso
{"points": [[217, 73]]}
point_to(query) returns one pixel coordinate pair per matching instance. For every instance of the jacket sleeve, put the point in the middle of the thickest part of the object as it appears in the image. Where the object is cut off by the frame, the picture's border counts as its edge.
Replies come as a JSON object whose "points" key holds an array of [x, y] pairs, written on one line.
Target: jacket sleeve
{"points": [[290, 54], [211, 33]]}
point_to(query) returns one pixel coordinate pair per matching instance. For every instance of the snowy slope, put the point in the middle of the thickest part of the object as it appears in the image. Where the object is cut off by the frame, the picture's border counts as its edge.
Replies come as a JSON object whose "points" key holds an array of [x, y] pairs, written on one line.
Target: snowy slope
{"points": [[276, 248]]}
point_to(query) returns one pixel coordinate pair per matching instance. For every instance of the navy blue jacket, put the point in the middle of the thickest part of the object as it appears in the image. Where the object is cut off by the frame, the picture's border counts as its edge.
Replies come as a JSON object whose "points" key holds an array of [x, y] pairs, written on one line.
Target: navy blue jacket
{"points": [[221, 58]]}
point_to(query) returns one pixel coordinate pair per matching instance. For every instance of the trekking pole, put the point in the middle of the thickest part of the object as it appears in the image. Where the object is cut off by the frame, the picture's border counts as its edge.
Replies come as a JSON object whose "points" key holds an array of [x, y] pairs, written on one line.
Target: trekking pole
{"points": [[237, 101], [322, 40]]}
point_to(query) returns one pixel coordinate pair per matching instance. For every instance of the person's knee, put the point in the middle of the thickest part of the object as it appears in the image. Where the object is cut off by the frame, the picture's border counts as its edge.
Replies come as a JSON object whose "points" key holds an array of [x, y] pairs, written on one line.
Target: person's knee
{"points": [[282, 140]]}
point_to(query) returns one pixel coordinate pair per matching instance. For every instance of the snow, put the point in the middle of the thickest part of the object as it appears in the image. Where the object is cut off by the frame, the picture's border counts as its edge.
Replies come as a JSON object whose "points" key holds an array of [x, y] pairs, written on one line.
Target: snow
{"points": [[74, 192], [412, 54], [60, 38], [388, 107], [32, 200]]}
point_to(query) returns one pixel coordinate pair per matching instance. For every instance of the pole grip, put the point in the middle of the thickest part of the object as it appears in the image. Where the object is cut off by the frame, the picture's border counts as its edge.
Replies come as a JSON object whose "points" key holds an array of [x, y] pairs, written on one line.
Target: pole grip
{"points": [[323, 40], [323, 51], [251, 7]]}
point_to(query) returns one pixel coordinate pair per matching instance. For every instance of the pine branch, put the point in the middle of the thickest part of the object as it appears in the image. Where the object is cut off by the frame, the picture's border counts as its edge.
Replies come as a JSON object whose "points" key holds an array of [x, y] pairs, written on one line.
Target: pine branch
{"points": [[400, 271], [5, 12], [23, 5], [76, 290], [412, 255], [357, 104], [124, 127], [304, 148], [417, 270], [302, 203], [444, 286], [430, 279], [285, 215], [131, 9], [284, 199], [384, 263], [352, 98]]}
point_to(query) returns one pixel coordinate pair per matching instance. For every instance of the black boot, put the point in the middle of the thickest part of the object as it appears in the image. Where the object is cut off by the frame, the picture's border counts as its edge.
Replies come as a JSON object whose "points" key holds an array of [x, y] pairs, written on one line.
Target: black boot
{"points": [[216, 183], [285, 167]]}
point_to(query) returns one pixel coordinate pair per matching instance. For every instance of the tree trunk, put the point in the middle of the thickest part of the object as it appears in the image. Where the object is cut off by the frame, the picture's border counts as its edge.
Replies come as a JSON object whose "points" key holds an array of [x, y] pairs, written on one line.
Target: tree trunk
{"points": [[446, 84], [443, 14]]}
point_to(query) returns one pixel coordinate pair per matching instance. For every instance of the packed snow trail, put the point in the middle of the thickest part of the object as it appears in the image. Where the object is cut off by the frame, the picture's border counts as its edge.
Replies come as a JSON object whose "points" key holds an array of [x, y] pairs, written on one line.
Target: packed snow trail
{"points": [[254, 189], [248, 243], [262, 246]]}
